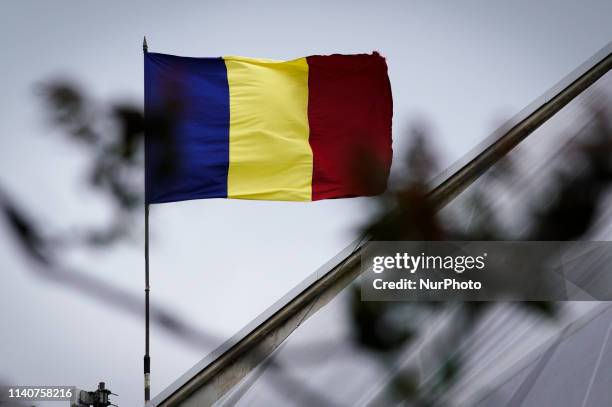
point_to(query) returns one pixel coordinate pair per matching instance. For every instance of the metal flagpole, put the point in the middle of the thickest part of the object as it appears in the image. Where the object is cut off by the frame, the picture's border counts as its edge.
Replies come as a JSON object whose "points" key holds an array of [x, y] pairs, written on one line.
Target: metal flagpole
{"points": [[147, 358]]}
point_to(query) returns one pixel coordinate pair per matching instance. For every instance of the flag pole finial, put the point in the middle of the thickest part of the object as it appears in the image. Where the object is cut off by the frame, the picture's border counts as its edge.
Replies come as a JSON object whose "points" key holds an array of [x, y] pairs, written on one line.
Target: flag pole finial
{"points": [[145, 47]]}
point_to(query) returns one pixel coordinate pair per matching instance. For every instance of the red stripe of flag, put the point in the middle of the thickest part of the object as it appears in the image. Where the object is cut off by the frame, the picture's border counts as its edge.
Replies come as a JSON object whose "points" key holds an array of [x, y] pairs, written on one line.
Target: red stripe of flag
{"points": [[349, 112]]}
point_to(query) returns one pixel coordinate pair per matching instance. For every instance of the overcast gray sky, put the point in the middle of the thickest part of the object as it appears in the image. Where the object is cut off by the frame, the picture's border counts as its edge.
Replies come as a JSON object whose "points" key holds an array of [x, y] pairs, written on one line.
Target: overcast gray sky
{"points": [[461, 66]]}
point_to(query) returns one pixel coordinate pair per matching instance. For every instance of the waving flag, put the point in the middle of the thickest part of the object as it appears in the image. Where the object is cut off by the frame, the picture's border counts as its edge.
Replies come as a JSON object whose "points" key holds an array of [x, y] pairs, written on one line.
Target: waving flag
{"points": [[261, 129]]}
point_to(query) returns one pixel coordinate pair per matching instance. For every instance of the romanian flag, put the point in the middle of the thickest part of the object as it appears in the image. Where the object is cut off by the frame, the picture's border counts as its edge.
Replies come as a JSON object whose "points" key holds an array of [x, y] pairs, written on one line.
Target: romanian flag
{"points": [[235, 127]]}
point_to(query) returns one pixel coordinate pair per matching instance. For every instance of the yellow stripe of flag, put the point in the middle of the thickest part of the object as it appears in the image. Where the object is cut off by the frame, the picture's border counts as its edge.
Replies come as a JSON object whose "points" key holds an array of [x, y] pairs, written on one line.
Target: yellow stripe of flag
{"points": [[269, 153]]}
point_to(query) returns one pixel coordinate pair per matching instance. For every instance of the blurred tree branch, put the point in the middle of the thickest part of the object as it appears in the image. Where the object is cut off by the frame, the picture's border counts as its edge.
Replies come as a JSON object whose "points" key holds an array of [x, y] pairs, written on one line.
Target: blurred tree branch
{"points": [[405, 213]]}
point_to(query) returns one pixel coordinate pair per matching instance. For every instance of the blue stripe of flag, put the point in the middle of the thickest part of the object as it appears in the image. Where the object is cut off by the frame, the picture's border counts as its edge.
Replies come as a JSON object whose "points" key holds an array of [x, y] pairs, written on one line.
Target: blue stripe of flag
{"points": [[187, 130]]}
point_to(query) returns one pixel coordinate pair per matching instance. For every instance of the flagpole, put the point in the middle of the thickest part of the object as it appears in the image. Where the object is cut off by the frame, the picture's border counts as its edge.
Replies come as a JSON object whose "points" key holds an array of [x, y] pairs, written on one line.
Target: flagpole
{"points": [[147, 358]]}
